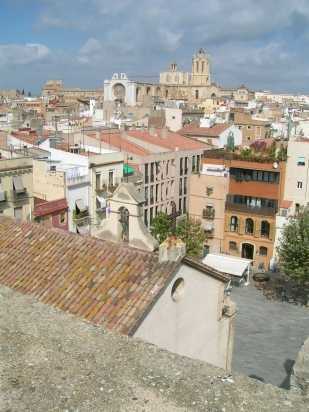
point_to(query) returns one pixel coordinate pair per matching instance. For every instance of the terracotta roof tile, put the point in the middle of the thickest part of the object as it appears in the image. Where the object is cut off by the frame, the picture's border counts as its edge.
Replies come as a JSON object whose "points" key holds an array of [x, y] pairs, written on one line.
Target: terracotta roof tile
{"points": [[99, 281], [213, 131], [46, 208]]}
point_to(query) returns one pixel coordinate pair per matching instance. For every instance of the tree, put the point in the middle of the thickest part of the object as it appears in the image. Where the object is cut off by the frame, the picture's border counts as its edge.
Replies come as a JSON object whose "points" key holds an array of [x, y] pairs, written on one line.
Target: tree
{"points": [[161, 227], [192, 234], [293, 249]]}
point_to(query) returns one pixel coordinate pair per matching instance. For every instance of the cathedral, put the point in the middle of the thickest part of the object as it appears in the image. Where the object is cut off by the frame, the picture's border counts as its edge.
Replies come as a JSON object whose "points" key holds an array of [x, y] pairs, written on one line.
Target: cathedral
{"points": [[193, 88]]}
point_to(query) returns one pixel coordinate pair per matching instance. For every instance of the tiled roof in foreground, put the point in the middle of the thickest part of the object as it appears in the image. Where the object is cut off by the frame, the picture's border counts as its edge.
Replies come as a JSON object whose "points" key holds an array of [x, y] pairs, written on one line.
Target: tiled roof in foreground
{"points": [[99, 281]]}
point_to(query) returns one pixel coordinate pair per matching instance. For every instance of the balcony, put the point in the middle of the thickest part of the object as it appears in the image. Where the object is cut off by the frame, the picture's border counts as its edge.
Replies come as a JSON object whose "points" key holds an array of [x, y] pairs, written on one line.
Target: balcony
{"points": [[209, 213], [106, 189], [237, 207], [19, 196], [81, 218]]}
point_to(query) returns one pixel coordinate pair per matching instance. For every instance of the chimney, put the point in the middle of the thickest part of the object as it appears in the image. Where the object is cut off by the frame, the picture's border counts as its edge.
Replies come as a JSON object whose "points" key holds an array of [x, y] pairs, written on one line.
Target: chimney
{"points": [[171, 250]]}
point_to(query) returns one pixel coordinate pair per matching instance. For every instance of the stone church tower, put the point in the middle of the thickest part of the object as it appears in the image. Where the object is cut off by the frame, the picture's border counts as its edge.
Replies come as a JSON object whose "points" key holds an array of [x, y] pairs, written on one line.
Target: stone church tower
{"points": [[200, 75]]}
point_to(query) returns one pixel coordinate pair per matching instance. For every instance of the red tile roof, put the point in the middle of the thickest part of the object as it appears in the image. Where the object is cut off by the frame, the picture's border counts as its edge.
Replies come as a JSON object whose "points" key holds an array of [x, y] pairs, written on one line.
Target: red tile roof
{"points": [[213, 131], [122, 144], [47, 208], [102, 282], [171, 141]]}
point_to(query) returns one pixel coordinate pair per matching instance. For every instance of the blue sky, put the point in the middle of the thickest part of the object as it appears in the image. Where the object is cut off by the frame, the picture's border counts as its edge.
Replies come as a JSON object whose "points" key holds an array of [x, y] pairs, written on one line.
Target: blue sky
{"points": [[260, 43]]}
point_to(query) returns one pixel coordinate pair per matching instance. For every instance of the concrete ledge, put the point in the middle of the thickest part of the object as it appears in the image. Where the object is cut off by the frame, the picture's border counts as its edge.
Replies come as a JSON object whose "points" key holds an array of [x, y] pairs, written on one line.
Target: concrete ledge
{"points": [[51, 361]]}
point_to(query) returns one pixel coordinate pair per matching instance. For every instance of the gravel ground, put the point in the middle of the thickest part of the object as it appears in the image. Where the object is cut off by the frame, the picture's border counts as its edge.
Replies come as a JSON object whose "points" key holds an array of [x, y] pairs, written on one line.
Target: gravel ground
{"points": [[268, 336]]}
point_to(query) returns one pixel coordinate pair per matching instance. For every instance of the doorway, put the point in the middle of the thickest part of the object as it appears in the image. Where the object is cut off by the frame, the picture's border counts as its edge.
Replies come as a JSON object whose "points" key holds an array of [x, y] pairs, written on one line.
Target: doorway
{"points": [[247, 251]]}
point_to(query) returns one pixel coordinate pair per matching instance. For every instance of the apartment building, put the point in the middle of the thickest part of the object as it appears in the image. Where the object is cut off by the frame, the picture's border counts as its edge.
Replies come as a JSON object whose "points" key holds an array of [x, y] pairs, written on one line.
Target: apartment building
{"points": [[85, 182], [16, 186], [256, 190], [208, 191], [166, 160], [297, 173], [252, 129]]}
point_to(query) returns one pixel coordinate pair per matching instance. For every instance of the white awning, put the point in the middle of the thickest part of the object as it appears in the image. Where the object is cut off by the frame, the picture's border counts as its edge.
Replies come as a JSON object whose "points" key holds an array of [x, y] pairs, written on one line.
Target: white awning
{"points": [[231, 265], [102, 202], [18, 184], [80, 204]]}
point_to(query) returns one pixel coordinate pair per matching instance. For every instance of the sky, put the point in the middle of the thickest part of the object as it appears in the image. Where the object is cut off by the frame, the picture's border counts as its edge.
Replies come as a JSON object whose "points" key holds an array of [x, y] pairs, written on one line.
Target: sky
{"points": [[260, 43]]}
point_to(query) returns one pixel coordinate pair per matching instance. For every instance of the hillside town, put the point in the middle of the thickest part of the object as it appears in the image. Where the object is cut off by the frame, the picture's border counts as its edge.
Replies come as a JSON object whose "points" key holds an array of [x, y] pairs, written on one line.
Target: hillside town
{"points": [[158, 211]]}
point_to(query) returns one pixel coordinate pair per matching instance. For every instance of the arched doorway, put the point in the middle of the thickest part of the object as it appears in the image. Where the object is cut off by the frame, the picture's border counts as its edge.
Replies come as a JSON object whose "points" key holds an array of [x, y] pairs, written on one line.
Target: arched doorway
{"points": [[247, 251], [124, 220]]}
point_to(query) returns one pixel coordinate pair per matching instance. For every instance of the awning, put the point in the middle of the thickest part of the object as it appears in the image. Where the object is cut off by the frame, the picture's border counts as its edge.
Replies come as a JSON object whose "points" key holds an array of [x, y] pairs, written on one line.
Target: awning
{"points": [[127, 170], [18, 184], [231, 265], [2, 194], [80, 205], [102, 202]]}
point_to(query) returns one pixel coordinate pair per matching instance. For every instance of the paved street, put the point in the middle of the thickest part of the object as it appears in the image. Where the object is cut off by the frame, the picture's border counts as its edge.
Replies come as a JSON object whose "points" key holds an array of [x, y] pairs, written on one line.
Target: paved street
{"points": [[268, 336]]}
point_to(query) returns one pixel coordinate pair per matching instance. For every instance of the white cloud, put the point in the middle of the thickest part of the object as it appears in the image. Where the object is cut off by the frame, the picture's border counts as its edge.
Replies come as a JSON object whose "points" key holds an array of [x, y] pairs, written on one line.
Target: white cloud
{"points": [[22, 53], [91, 46]]}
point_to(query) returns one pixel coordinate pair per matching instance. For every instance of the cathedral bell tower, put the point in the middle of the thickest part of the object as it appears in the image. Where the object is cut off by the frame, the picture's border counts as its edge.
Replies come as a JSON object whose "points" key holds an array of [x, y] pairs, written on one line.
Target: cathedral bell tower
{"points": [[200, 75]]}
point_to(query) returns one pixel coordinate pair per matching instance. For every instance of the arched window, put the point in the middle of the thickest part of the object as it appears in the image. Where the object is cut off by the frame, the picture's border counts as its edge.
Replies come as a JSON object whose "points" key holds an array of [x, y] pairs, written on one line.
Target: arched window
{"points": [[249, 226], [124, 220], [213, 95], [166, 93], [196, 94], [148, 91], [138, 92], [263, 251], [265, 228], [158, 91], [233, 224]]}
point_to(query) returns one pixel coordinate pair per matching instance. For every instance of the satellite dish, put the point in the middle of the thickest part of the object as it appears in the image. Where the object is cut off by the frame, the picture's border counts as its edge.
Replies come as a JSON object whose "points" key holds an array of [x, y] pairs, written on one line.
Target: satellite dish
{"points": [[275, 165]]}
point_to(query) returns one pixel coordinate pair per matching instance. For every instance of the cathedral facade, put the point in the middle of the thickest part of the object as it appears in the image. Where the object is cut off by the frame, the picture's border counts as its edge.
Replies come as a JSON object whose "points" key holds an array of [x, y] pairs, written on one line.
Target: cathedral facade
{"points": [[193, 88]]}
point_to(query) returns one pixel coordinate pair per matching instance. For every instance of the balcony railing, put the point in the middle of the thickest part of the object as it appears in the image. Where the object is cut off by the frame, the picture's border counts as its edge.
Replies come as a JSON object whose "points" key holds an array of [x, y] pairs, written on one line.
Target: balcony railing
{"points": [[81, 218], [19, 197], [208, 214], [238, 207]]}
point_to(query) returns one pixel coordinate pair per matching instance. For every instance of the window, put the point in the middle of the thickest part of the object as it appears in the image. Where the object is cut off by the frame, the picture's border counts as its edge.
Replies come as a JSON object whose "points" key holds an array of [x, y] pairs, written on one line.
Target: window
{"points": [[234, 224], [18, 213], [185, 186], [111, 178], [186, 165], [184, 205], [209, 190], [98, 181], [146, 217], [178, 289], [193, 163], [232, 245], [146, 195], [265, 228], [196, 94], [299, 185], [151, 172], [157, 192], [181, 166], [263, 251], [180, 187], [300, 161], [146, 173], [180, 206], [197, 163], [249, 227], [209, 212], [62, 218], [151, 195], [151, 215]]}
